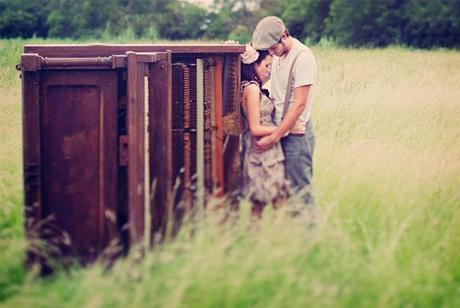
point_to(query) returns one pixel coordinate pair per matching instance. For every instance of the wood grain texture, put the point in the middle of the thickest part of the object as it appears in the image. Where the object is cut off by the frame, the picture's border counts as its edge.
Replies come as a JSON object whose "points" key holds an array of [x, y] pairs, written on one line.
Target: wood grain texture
{"points": [[160, 143], [104, 50], [135, 98], [78, 155]]}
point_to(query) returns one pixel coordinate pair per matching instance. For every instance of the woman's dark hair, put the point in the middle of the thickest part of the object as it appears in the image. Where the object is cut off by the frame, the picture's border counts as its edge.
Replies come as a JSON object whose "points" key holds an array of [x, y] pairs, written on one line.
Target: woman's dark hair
{"points": [[248, 71]]}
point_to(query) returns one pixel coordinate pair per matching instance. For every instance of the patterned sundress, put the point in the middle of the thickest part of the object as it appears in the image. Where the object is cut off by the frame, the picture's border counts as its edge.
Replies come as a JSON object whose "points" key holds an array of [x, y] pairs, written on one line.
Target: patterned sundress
{"points": [[263, 172]]}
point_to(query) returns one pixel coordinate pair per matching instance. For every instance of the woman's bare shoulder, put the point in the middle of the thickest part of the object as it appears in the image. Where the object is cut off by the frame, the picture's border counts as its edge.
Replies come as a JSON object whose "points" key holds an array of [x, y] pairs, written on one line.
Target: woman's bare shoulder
{"points": [[251, 87]]}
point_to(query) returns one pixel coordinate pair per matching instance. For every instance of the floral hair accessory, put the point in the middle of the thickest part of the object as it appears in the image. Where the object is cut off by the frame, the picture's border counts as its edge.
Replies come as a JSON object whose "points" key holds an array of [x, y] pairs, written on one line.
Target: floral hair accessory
{"points": [[250, 55]]}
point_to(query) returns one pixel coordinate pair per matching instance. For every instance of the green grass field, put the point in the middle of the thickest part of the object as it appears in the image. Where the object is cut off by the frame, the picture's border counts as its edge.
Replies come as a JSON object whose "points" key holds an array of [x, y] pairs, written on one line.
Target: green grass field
{"points": [[387, 182]]}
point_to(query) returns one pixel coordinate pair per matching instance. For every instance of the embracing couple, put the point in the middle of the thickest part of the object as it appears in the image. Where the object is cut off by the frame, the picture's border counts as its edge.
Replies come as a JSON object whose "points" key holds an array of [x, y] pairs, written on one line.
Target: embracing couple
{"points": [[279, 141]]}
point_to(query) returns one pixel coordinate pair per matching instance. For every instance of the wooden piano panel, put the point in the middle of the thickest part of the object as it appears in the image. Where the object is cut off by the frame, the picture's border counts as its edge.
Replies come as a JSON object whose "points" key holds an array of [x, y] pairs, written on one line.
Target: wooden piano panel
{"points": [[78, 115]]}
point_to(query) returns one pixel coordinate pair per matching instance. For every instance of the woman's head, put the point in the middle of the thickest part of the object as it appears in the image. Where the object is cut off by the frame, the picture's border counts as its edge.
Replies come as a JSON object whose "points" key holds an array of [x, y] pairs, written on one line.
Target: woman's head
{"points": [[256, 65]]}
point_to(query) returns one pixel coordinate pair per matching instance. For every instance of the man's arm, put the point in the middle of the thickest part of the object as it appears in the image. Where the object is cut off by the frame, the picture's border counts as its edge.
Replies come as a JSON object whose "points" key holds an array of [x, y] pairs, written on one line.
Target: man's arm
{"points": [[300, 103]]}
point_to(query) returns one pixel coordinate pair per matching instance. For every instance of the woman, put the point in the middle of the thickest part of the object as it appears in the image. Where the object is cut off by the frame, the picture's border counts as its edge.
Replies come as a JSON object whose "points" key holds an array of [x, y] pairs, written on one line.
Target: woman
{"points": [[264, 176]]}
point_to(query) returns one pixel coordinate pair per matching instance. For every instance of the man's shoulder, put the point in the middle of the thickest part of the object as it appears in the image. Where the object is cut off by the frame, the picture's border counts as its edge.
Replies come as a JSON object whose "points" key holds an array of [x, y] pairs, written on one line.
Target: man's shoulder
{"points": [[304, 53], [298, 45], [305, 65]]}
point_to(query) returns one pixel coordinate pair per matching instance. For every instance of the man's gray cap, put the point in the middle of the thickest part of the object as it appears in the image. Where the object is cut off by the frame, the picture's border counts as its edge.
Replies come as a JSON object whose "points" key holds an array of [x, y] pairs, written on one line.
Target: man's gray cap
{"points": [[268, 32]]}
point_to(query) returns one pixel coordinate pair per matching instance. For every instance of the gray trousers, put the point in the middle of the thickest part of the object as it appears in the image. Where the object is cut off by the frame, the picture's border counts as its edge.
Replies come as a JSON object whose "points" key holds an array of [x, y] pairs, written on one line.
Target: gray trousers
{"points": [[298, 153]]}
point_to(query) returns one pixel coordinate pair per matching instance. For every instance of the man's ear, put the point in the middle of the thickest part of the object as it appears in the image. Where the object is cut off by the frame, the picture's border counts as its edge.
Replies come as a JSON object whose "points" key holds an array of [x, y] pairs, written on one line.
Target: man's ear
{"points": [[283, 36]]}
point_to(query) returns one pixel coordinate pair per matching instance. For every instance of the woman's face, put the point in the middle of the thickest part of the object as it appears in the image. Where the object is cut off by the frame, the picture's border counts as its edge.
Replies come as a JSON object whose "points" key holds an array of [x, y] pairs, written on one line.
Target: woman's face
{"points": [[264, 69]]}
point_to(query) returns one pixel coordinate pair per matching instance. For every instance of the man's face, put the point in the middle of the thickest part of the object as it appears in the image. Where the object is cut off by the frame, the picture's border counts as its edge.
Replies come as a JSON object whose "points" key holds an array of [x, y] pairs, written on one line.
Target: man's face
{"points": [[279, 49]]}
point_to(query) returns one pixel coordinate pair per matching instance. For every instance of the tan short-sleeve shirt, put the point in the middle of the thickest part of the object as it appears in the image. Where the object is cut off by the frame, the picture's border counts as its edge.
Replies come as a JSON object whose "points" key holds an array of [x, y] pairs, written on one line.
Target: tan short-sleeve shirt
{"points": [[304, 73]]}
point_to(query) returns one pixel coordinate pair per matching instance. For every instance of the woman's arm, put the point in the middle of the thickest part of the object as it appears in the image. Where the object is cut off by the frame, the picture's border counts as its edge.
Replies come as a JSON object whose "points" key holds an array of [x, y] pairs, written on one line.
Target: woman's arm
{"points": [[251, 103]]}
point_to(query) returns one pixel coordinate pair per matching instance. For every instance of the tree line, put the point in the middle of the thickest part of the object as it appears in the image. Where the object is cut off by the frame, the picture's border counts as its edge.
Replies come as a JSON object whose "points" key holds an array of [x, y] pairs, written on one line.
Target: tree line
{"points": [[371, 23]]}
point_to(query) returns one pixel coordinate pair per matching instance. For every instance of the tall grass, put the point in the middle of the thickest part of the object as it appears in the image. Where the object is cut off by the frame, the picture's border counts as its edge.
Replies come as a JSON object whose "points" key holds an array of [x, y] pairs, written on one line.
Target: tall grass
{"points": [[387, 178]]}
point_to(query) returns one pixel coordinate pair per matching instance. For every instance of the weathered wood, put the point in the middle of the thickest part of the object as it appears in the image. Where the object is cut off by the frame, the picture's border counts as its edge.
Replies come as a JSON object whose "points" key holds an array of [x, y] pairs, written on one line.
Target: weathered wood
{"points": [[78, 148], [86, 83], [35, 62], [200, 134], [231, 121], [208, 127], [135, 94], [102, 50], [30, 62], [31, 159], [187, 141], [76, 62], [160, 143], [218, 132]]}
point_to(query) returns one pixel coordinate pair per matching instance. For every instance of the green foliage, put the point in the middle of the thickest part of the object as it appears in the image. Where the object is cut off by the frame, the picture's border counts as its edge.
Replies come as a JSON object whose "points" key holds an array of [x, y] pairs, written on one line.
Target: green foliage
{"points": [[223, 17], [294, 16], [432, 23], [364, 22], [272, 7], [88, 18], [23, 18], [306, 18], [386, 181], [180, 20], [240, 34], [63, 25], [418, 23], [315, 17]]}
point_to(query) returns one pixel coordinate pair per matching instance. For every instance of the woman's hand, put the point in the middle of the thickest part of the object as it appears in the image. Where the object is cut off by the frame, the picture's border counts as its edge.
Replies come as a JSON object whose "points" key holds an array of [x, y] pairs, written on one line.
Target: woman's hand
{"points": [[265, 143]]}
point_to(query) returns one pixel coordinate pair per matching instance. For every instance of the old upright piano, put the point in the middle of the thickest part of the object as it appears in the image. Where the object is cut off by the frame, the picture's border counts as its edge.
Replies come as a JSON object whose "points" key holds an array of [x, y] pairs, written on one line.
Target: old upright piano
{"points": [[117, 138]]}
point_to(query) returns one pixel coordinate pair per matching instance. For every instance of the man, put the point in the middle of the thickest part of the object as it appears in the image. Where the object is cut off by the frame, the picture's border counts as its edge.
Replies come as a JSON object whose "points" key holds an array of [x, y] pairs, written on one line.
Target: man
{"points": [[295, 131]]}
